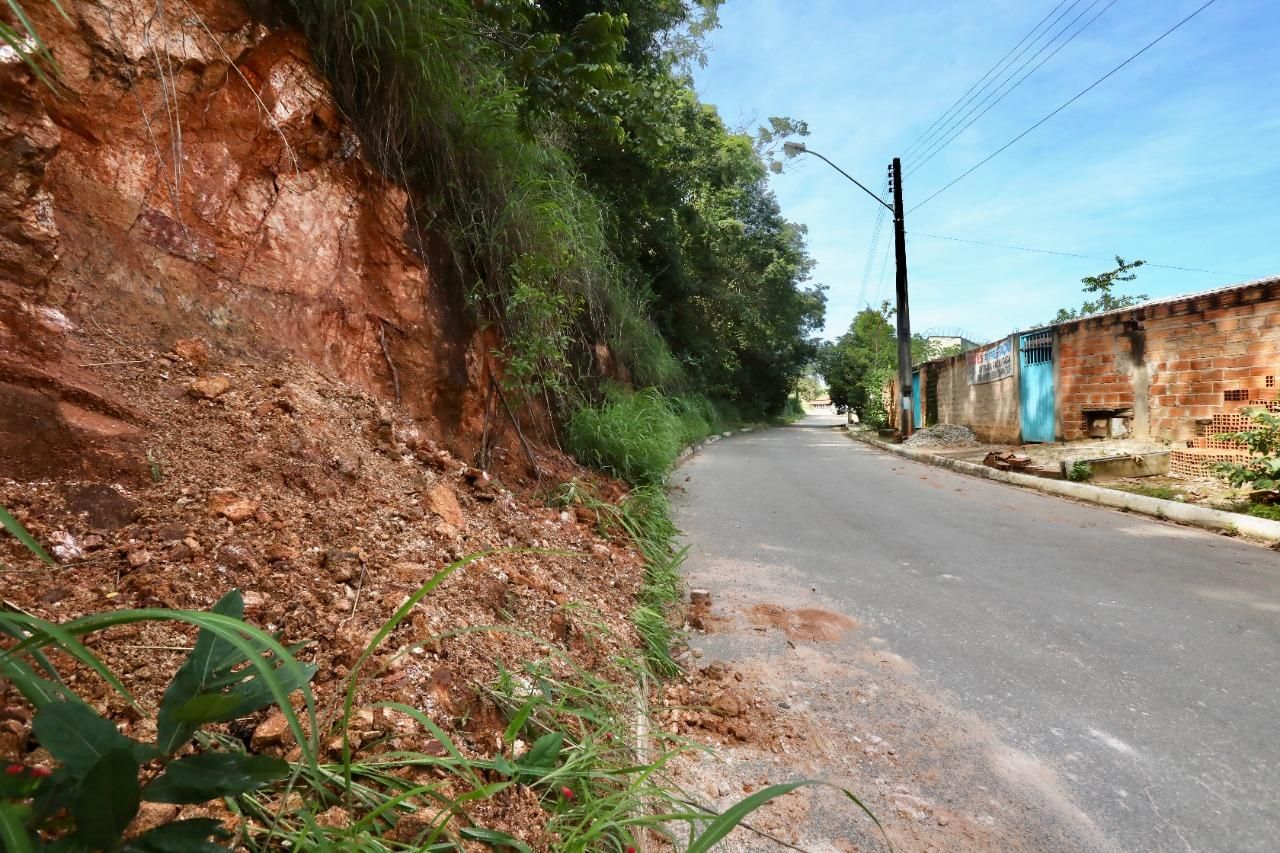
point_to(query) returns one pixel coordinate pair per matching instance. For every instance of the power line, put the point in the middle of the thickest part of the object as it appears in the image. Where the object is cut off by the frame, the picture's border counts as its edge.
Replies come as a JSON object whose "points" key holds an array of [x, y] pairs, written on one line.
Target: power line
{"points": [[991, 70], [884, 267], [1070, 254], [1000, 82], [1062, 107], [929, 155], [875, 244]]}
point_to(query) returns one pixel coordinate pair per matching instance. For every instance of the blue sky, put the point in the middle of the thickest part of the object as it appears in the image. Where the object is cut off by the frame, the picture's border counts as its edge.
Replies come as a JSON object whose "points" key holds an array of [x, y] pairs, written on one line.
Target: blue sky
{"points": [[1174, 159]]}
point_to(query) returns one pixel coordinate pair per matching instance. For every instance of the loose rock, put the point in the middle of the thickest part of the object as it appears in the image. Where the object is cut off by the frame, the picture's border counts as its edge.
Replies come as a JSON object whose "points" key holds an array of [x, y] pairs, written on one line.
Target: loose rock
{"points": [[209, 387]]}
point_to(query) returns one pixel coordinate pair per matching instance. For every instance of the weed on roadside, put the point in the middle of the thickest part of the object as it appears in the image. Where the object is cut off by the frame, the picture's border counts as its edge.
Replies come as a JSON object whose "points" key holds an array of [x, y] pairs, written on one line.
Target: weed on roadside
{"points": [[575, 745]]}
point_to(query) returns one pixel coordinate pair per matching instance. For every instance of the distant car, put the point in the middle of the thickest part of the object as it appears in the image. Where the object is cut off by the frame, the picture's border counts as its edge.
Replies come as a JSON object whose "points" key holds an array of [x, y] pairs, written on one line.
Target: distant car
{"points": [[840, 410]]}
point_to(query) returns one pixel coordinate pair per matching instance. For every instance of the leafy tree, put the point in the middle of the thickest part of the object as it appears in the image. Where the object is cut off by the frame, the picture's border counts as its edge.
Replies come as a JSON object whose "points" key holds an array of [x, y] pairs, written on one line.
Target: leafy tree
{"points": [[1102, 284], [587, 193], [857, 364], [809, 387]]}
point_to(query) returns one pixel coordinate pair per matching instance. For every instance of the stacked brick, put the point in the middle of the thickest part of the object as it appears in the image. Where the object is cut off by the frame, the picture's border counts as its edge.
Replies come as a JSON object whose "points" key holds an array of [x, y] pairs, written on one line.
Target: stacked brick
{"points": [[1203, 452], [1172, 363]]}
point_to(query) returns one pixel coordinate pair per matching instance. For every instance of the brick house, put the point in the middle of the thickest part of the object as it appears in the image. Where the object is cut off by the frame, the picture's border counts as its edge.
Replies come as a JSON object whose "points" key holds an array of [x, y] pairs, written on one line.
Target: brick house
{"points": [[1175, 369]]}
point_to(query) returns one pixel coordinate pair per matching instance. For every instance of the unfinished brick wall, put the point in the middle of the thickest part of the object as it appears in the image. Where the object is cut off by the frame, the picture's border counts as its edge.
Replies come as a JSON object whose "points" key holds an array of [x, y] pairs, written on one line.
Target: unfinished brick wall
{"points": [[990, 409], [1172, 363]]}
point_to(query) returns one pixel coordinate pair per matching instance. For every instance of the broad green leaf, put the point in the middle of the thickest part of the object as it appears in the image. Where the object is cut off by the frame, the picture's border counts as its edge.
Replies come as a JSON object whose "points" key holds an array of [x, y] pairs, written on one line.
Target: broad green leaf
{"points": [[55, 795], [198, 694], [265, 657], [207, 708], [495, 839], [518, 721], [255, 693], [68, 844], [15, 527], [181, 836], [503, 766], [541, 758], [202, 777], [107, 799], [13, 830], [78, 737]]}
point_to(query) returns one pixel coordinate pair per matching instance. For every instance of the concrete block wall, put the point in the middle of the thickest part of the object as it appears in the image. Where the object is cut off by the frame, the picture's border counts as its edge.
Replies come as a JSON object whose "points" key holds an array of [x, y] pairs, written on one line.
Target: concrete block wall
{"points": [[1167, 365], [1172, 363], [990, 409]]}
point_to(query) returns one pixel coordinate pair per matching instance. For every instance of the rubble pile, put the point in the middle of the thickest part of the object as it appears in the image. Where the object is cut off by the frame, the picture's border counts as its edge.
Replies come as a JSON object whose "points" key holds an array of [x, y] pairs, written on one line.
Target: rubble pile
{"points": [[943, 435]]}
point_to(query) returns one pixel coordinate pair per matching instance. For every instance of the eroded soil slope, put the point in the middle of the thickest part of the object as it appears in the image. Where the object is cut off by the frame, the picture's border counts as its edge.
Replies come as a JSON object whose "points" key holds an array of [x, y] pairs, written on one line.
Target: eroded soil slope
{"points": [[328, 508], [192, 176]]}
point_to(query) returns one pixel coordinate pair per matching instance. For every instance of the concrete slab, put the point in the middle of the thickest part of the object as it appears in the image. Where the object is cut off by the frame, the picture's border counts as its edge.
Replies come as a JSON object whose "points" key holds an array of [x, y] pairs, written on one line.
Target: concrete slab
{"points": [[1110, 467]]}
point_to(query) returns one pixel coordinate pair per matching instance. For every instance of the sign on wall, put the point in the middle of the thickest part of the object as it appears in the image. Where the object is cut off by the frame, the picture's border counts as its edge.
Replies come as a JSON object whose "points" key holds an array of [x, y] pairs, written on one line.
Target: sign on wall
{"points": [[992, 362]]}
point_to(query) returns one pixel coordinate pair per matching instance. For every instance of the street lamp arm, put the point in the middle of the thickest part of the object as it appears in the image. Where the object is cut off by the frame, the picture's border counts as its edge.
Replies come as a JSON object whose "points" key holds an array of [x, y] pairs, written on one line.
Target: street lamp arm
{"points": [[850, 177]]}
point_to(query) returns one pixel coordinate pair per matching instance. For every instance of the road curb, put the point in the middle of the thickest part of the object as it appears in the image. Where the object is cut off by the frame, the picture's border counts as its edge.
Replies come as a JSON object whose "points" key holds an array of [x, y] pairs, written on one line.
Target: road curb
{"points": [[1196, 516], [698, 446]]}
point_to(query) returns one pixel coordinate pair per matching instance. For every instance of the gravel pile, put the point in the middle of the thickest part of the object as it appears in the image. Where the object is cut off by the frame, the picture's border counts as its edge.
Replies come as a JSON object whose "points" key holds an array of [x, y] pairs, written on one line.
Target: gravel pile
{"points": [[943, 435]]}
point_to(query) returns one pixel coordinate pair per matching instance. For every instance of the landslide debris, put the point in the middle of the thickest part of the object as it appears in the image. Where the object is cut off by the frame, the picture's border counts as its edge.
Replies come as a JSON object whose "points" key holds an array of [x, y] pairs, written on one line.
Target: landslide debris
{"points": [[327, 508]]}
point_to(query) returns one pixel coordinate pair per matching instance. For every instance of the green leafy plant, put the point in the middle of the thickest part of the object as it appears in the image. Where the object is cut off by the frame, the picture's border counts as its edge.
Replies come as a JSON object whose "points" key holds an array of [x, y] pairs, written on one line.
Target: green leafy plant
{"points": [[636, 436], [1261, 472], [1080, 472], [1263, 510], [104, 776]]}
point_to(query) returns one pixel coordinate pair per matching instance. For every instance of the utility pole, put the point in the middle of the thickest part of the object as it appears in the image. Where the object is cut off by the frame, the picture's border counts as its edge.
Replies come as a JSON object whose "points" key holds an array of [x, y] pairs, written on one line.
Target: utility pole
{"points": [[905, 409], [900, 238]]}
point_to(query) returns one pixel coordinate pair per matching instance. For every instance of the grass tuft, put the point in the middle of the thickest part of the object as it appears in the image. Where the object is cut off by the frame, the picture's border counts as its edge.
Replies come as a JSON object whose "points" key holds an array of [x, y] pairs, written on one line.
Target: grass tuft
{"points": [[638, 436]]}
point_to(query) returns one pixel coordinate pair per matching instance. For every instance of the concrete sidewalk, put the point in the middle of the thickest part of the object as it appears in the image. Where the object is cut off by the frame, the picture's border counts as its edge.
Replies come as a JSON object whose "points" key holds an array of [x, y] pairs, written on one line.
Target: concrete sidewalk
{"points": [[1232, 523]]}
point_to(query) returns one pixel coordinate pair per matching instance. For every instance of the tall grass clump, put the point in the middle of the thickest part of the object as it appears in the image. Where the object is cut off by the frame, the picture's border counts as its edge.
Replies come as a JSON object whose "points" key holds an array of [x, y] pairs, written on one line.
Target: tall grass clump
{"points": [[638, 436]]}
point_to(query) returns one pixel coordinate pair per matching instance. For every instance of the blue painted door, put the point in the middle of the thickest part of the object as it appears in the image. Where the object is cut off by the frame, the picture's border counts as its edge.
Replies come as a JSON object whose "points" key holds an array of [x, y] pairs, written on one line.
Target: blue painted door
{"points": [[1035, 386], [915, 400]]}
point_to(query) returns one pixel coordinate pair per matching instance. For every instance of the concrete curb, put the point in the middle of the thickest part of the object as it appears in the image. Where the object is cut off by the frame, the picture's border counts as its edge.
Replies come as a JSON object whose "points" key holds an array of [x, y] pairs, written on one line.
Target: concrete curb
{"points": [[698, 446], [1196, 516]]}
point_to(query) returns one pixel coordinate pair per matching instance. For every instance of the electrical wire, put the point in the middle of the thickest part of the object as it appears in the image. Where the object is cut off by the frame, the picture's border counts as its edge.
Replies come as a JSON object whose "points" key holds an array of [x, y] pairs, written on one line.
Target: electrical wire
{"points": [[941, 144], [1073, 254], [884, 266], [1063, 106], [990, 71], [871, 252], [1020, 54]]}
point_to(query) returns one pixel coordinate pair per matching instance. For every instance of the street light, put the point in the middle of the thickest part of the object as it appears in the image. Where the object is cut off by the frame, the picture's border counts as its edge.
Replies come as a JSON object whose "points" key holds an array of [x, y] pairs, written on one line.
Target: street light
{"points": [[905, 413]]}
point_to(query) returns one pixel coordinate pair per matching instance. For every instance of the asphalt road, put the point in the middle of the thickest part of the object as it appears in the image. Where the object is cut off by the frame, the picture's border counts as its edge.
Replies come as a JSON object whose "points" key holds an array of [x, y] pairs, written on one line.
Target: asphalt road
{"points": [[1137, 659]]}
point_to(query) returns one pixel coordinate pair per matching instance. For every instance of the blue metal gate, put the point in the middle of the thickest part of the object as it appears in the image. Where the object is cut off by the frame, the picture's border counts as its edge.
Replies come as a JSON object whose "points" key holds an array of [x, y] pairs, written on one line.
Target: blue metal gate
{"points": [[1035, 386], [916, 421]]}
